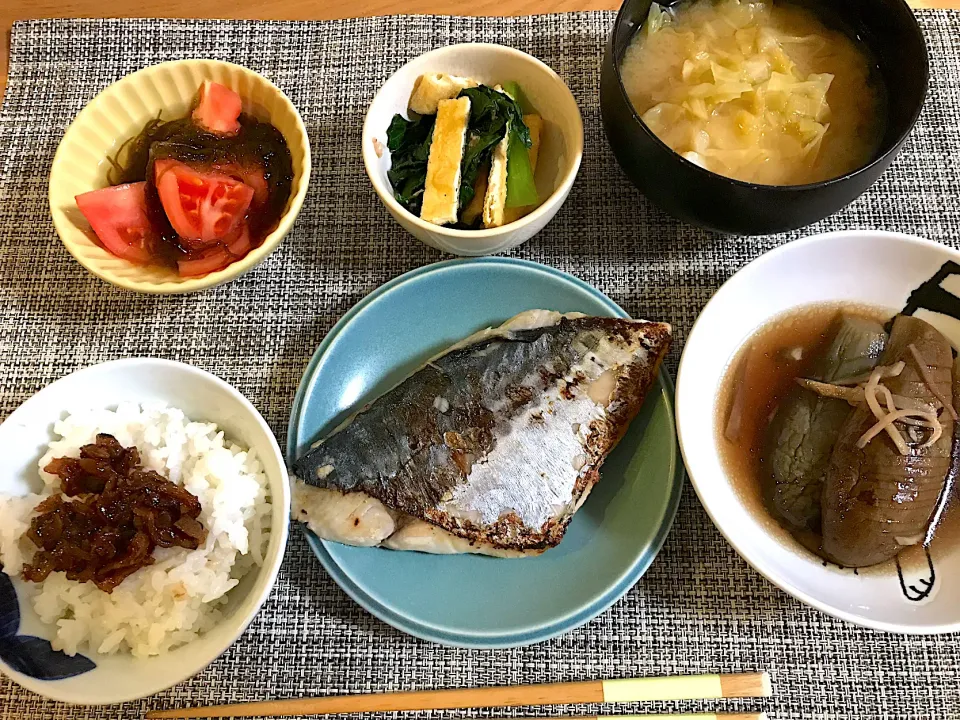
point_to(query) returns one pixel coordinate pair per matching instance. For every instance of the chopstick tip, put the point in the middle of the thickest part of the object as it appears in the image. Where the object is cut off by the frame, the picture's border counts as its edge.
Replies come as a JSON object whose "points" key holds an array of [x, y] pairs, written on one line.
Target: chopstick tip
{"points": [[767, 688], [746, 685]]}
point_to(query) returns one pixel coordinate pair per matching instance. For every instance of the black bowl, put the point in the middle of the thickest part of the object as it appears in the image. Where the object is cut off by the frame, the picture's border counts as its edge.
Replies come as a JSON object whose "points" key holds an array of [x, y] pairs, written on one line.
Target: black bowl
{"points": [[700, 197]]}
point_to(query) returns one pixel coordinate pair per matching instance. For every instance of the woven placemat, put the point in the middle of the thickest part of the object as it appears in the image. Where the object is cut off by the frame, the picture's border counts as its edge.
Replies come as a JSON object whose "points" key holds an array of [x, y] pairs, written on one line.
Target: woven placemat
{"points": [[700, 608]]}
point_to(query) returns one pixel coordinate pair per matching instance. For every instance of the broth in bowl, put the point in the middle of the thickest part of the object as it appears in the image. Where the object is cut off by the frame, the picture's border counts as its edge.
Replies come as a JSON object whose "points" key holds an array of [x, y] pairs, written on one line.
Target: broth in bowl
{"points": [[871, 275], [757, 90], [838, 421]]}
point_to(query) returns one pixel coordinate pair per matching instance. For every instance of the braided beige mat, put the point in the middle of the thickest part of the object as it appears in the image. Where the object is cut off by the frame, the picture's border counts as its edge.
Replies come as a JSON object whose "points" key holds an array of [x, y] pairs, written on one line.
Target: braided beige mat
{"points": [[699, 608]]}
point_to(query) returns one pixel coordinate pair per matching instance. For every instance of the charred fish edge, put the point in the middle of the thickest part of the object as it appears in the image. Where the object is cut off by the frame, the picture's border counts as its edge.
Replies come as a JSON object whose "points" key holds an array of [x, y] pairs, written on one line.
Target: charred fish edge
{"points": [[632, 385]]}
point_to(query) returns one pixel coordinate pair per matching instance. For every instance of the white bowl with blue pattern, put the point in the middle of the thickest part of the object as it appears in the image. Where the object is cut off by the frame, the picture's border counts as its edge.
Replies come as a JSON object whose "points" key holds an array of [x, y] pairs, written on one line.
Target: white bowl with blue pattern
{"points": [[26, 655]]}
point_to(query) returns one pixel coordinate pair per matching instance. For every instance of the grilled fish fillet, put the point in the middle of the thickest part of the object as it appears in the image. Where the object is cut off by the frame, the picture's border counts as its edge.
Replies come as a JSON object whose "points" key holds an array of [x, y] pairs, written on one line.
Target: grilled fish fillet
{"points": [[490, 447]]}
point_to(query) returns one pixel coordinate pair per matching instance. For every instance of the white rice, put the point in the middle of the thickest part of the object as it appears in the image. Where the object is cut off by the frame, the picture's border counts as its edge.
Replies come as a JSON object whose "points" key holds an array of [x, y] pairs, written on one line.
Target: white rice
{"points": [[180, 596]]}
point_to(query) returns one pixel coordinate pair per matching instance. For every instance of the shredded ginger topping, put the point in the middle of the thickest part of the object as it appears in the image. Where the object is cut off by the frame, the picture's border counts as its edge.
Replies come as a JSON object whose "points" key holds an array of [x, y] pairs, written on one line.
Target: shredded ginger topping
{"points": [[924, 371], [887, 407]]}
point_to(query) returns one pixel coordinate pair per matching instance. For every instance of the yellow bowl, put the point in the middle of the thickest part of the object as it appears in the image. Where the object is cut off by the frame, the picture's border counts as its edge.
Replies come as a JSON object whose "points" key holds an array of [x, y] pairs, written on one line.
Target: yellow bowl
{"points": [[118, 114]]}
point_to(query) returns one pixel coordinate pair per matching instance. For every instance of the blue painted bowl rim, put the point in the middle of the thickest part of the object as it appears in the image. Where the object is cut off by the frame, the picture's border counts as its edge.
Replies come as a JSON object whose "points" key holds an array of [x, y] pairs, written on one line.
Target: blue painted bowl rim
{"points": [[537, 633]]}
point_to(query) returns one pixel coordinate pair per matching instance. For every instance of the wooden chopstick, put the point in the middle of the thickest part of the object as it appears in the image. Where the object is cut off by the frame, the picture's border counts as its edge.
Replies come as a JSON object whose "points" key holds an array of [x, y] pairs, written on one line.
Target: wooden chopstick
{"points": [[660, 716], [683, 687]]}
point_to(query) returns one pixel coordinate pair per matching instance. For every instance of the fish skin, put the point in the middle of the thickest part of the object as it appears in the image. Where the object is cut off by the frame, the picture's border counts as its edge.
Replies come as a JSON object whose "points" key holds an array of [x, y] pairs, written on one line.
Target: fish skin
{"points": [[486, 463], [874, 495]]}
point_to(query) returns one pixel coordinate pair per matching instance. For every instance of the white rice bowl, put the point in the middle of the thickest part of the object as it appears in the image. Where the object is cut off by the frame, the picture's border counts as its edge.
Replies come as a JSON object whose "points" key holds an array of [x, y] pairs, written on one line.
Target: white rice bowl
{"points": [[180, 596]]}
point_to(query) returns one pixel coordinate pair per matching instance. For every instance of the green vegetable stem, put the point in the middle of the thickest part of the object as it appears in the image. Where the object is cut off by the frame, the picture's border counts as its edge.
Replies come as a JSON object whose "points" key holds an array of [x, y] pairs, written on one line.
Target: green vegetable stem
{"points": [[514, 90], [521, 188], [492, 115]]}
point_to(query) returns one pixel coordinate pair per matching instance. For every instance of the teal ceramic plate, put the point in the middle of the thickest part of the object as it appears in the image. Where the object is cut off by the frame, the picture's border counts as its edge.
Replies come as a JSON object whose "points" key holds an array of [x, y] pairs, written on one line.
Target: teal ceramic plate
{"points": [[468, 600]]}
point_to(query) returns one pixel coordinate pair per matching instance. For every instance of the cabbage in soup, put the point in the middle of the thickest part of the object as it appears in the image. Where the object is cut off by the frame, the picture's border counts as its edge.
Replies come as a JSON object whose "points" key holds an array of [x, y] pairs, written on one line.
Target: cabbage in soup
{"points": [[755, 90]]}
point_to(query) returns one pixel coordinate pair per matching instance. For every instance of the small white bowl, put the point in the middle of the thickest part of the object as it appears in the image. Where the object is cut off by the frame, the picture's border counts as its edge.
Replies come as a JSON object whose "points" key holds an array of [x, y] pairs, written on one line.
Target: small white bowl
{"points": [[24, 437], [865, 267], [120, 113], [559, 157]]}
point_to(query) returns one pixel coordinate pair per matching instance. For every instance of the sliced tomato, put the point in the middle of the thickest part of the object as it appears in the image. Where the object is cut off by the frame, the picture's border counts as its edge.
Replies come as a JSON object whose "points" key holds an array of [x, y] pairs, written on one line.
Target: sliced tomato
{"points": [[252, 175], [203, 207], [217, 258], [210, 260], [118, 215], [218, 108], [240, 244]]}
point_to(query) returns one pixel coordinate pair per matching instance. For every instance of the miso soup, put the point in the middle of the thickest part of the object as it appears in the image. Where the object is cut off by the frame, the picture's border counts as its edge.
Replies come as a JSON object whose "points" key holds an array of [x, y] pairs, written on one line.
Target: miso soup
{"points": [[757, 90]]}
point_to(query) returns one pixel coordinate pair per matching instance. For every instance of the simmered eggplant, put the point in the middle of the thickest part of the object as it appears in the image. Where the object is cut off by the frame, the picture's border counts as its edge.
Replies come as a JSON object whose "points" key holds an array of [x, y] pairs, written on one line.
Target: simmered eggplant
{"points": [[805, 427], [887, 469]]}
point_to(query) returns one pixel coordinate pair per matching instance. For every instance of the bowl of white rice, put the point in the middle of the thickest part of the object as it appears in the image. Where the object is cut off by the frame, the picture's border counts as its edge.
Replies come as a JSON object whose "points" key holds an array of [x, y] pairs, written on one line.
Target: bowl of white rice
{"points": [[72, 641]]}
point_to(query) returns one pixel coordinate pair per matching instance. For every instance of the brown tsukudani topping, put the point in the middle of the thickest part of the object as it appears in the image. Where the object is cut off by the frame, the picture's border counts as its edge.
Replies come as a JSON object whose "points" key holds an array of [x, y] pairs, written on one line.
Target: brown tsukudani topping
{"points": [[118, 513]]}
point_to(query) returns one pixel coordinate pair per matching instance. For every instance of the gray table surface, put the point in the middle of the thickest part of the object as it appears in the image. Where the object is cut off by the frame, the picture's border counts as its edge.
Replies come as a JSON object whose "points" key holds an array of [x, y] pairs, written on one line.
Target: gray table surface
{"points": [[700, 608]]}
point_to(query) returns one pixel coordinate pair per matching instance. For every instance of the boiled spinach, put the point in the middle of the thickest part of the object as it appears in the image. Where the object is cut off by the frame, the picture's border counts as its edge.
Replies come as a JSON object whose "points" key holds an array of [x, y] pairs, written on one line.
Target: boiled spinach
{"points": [[409, 144], [491, 113]]}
